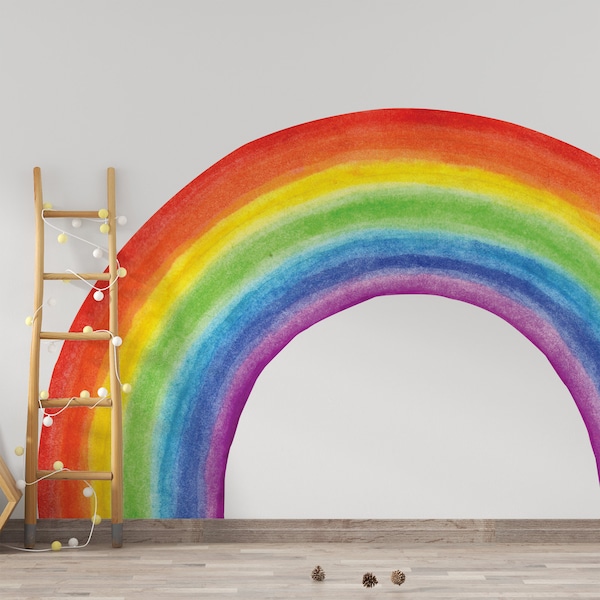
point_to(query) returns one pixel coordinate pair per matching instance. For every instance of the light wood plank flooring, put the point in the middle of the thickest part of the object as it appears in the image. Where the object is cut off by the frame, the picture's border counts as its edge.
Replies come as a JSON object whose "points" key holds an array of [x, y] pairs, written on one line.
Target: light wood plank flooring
{"points": [[155, 571]]}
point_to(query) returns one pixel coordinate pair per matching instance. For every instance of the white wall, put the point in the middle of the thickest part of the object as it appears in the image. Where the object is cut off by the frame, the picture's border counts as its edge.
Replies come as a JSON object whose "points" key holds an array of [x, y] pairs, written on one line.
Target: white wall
{"points": [[401, 407]]}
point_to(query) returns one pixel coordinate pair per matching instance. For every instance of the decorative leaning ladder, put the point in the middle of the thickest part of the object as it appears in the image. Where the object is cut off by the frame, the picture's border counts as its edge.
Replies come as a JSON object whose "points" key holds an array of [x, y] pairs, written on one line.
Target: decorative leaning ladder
{"points": [[113, 402]]}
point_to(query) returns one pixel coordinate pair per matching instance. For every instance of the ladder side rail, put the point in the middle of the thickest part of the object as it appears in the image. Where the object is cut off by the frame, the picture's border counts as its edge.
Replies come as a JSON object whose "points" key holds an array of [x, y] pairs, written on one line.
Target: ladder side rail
{"points": [[31, 458], [115, 384]]}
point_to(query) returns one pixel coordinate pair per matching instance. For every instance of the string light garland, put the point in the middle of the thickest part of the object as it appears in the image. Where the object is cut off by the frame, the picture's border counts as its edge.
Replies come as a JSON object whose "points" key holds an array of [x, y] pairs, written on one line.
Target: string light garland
{"points": [[103, 392], [116, 341], [98, 252], [73, 543], [76, 223], [99, 292], [48, 418], [31, 319]]}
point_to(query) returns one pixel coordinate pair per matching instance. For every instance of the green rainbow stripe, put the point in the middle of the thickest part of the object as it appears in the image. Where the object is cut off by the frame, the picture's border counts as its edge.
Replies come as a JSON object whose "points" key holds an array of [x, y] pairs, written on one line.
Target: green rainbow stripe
{"points": [[299, 225]]}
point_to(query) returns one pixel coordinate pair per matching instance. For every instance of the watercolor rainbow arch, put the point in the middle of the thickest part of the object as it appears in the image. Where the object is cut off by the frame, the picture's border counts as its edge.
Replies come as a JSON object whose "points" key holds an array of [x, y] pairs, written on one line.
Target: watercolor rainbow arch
{"points": [[301, 224]]}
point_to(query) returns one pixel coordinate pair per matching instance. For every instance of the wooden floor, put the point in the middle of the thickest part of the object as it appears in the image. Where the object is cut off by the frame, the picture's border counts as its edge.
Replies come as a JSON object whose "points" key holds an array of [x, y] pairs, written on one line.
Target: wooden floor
{"points": [[153, 571]]}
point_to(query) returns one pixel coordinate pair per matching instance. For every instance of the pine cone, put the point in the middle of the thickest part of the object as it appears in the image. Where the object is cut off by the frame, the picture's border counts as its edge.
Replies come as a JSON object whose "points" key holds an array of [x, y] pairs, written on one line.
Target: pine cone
{"points": [[369, 580], [318, 574], [398, 577]]}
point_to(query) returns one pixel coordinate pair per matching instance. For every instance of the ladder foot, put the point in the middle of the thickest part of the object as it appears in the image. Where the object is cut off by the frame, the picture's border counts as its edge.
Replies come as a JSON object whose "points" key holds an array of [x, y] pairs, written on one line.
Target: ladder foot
{"points": [[117, 535], [29, 535]]}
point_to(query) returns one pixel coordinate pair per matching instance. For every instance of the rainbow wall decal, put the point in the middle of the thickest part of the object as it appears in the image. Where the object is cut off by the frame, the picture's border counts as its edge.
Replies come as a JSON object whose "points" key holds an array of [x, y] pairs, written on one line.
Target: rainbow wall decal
{"points": [[304, 223]]}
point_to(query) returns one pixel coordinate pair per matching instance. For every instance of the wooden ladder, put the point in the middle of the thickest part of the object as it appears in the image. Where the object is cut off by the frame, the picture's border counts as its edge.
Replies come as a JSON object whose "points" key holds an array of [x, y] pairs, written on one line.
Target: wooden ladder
{"points": [[113, 402]]}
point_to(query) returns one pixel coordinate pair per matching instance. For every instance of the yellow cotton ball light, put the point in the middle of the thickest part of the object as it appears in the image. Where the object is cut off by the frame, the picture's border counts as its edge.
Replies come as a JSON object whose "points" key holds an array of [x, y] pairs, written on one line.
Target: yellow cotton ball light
{"points": [[56, 546], [103, 213], [62, 238], [44, 395], [104, 228], [58, 465], [19, 450], [29, 321], [126, 387], [47, 206], [84, 394], [96, 519], [88, 329], [121, 271]]}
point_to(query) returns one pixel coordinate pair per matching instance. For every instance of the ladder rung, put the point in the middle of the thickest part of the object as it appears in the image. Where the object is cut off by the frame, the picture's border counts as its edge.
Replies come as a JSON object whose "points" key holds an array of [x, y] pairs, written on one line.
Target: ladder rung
{"points": [[69, 276], [50, 213], [74, 335], [75, 403], [77, 475]]}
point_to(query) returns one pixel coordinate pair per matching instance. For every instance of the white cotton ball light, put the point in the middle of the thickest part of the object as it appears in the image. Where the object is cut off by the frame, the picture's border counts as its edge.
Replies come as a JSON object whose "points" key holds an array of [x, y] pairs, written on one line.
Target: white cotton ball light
{"points": [[102, 392], [21, 485], [73, 542], [47, 421], [117, 340], [76, 223], [98, 295], [122, 220], [97, 253], [88, 491]]}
